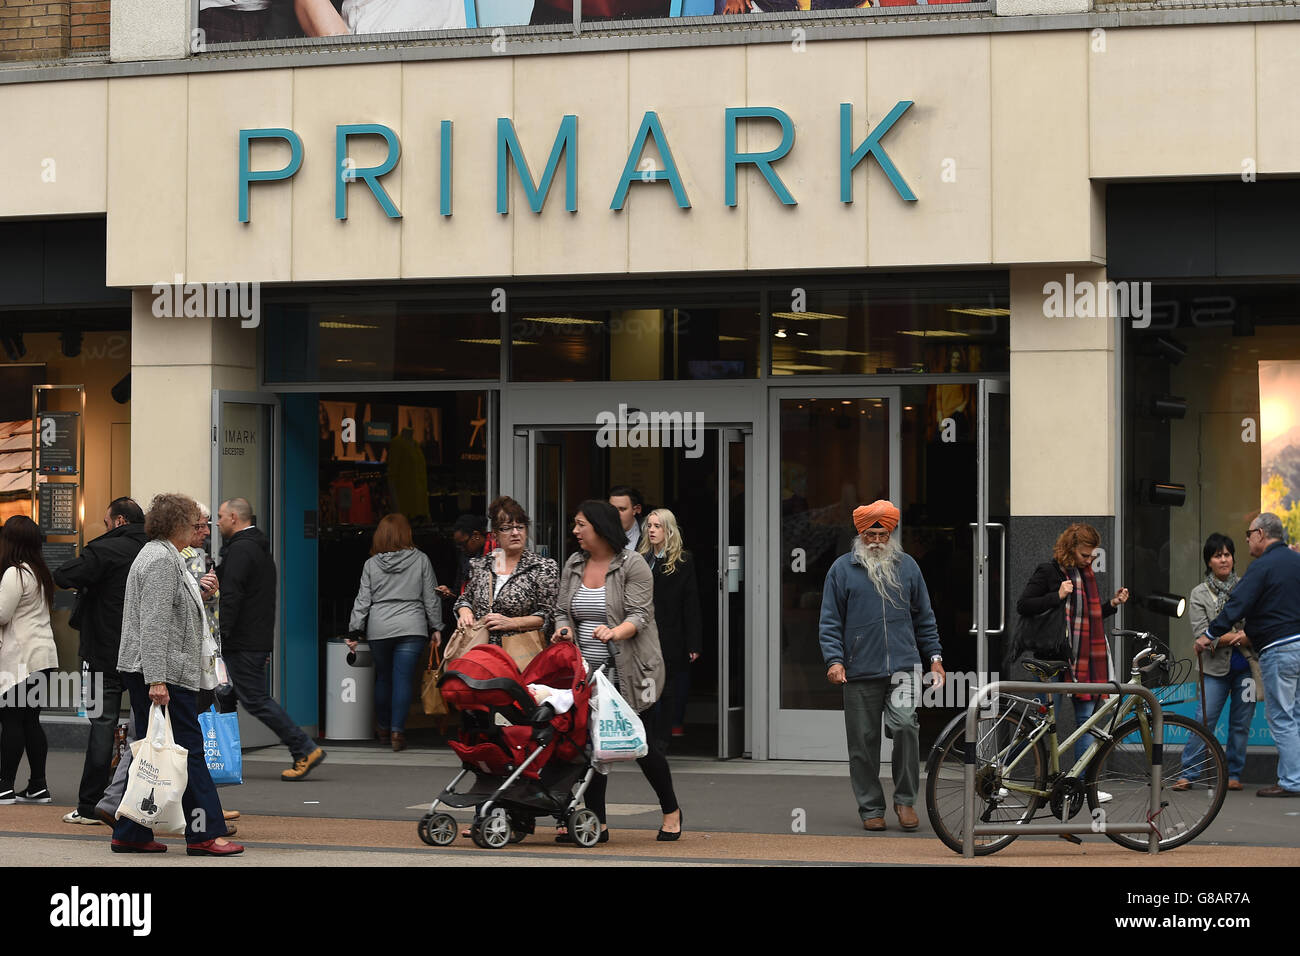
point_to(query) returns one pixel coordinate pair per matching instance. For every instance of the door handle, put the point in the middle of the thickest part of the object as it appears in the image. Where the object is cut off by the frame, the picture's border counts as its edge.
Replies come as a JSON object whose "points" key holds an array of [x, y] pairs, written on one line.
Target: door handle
{"points": [[975, 577], [1002, 577]]}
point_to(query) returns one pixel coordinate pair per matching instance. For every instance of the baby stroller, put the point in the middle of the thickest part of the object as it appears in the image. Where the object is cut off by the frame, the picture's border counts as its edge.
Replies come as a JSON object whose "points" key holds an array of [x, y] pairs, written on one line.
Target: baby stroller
{"points": [[527, 761]]}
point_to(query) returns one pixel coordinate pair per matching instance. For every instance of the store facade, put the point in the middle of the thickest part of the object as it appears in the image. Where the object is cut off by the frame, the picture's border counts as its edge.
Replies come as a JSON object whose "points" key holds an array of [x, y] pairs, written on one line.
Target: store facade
{"points": [[827, 270]]}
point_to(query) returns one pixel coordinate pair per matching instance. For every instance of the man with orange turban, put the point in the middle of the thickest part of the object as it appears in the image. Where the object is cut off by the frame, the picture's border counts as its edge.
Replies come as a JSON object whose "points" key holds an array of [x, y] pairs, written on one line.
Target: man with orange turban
{"points": [[876, 628]]}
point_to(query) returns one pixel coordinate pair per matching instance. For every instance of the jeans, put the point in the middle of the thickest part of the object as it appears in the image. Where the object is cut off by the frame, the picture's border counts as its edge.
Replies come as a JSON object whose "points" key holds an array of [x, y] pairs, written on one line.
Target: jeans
{"points": [[1218, 690], [1280, 667], [99, 748], [248, 676], [396, 659], [1083, 709], [865, 701], [200, 792]]}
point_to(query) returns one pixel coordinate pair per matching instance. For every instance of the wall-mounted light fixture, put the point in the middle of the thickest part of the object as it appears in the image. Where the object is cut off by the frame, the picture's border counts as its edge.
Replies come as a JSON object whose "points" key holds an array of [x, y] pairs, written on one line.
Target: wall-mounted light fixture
{"points": [[1168, 493], [1162, 602]]}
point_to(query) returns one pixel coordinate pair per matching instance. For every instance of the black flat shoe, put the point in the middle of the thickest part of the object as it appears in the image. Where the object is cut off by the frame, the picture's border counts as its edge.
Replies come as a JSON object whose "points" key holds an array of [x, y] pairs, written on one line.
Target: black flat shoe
{"points": [[665, 836]]}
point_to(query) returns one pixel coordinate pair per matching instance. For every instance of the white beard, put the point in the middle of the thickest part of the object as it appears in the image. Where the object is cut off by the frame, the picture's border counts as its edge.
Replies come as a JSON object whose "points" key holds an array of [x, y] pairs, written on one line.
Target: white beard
{"points": [[881, 563]]}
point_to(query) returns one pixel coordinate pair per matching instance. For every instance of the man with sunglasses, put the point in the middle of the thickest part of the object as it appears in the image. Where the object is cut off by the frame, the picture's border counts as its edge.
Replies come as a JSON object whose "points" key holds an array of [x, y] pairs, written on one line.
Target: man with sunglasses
{"points": [[1268, 597]]}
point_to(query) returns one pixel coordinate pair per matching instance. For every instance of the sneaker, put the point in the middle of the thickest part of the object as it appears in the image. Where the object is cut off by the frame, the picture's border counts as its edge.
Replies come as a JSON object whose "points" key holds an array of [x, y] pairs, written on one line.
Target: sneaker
{"points": [[76, 817], [34, 795], [7, 797], [1103, 797], [304, 765]]}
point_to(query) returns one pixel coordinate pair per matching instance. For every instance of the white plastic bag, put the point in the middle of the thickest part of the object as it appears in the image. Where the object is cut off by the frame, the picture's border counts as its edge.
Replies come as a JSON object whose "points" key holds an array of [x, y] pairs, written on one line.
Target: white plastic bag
{"points": [[158, 777], [616, 731]]}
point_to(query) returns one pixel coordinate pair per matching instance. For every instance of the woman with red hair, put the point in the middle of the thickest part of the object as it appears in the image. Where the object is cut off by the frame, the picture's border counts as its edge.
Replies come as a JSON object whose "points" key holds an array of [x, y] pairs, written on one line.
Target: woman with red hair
{"points": [[1068, 579]]}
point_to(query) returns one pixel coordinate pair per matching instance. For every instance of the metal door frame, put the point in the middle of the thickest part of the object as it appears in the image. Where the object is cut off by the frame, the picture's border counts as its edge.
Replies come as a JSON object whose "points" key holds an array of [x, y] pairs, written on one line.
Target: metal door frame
{"points": [[811, 734], [983, 623]]}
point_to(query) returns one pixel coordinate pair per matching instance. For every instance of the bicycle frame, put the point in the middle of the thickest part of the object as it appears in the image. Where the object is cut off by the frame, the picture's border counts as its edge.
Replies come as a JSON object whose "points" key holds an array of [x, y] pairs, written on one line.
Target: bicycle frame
{"points": [[1120, 706]]}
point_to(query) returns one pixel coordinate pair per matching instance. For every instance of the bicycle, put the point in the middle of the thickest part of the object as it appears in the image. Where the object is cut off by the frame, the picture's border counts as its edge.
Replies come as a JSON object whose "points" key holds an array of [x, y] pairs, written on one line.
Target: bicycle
{"points": [[1018, 764]]}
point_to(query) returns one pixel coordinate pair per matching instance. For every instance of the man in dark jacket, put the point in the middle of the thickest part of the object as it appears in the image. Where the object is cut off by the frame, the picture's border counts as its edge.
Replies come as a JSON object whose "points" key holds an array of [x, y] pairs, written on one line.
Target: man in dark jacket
{"points": [[877, 631], [99, 576], [1268, 597], [247, 583]]}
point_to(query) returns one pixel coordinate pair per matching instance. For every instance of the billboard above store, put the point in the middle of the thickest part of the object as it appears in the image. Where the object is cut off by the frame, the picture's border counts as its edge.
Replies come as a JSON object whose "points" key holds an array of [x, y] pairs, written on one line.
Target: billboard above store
{"points": [[242, 21]]}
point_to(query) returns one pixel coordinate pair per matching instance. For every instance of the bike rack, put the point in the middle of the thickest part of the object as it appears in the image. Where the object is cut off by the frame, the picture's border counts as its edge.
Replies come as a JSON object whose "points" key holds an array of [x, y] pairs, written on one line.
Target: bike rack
{"points": [[971, 830]]}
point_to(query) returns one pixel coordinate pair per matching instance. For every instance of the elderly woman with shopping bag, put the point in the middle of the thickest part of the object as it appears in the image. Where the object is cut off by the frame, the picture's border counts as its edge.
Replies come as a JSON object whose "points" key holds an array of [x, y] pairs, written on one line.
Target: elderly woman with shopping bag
{"points": [[162, 655]]}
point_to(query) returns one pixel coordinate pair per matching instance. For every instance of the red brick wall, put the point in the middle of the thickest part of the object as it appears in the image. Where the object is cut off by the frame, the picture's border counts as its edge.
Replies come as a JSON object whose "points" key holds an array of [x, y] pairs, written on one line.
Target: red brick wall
{"points": [[88, 21], [50, 29]]}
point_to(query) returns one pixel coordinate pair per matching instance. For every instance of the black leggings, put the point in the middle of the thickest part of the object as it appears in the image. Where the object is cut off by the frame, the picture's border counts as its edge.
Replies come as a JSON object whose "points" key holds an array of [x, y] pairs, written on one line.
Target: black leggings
{"points": [[655, 767], [20, 730]]}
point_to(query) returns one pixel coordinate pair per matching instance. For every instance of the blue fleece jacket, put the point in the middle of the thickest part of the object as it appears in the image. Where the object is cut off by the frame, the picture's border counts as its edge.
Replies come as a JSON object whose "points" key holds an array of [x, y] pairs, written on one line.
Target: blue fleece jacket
{"points": [[870, 636]]}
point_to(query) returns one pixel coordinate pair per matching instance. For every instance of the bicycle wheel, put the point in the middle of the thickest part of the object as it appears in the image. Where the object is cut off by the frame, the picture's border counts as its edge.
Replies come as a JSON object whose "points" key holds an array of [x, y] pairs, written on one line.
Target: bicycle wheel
{"points": [[995, 801], [1122, 769]]}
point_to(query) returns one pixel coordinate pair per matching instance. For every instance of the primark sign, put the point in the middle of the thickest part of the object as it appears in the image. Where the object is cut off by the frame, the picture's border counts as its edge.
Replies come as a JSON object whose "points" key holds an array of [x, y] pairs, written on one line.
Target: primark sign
{"points": [[637, 170]]}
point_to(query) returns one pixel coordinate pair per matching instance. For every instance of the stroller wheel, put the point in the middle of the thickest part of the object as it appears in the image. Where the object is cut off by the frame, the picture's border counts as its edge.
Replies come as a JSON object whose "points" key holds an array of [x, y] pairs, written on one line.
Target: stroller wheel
{"points": [[584, 827], [493, 831], [442, 830], [422, 828]]}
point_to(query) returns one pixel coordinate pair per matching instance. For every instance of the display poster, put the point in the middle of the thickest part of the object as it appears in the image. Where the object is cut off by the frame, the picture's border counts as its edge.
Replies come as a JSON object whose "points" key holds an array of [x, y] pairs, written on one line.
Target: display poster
{"points": [[57, 436], [1279, 443], [57, 508]]}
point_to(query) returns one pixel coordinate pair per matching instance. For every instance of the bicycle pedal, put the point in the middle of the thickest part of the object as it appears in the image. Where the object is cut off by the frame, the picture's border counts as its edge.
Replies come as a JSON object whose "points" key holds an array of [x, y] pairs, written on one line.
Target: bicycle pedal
{"points": [[1072, 838]]}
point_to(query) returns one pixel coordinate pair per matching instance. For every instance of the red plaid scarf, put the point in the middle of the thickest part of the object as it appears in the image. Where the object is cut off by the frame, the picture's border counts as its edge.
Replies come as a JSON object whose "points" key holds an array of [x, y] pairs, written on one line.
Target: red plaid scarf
{"points": [[1087, 634]]}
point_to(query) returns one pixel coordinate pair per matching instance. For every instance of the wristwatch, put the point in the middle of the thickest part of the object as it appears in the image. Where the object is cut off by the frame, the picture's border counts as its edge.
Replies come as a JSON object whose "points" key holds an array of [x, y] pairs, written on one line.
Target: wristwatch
{"points": [[936, 658]]}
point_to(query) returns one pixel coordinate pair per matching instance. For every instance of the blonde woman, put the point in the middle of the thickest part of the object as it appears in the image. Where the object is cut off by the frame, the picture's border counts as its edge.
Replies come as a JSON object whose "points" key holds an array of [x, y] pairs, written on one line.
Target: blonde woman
{"points": [[677, 612]]}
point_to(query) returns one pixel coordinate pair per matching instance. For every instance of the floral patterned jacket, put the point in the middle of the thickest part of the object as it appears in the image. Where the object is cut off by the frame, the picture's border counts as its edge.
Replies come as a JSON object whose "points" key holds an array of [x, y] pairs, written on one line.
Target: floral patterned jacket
{"points": [[532, 589]]}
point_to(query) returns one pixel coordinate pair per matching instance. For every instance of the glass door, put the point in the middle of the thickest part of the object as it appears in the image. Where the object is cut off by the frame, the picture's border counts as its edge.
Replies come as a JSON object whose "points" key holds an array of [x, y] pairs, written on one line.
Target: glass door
{"points": [[993, 508], [246, 464], [835, 450]]}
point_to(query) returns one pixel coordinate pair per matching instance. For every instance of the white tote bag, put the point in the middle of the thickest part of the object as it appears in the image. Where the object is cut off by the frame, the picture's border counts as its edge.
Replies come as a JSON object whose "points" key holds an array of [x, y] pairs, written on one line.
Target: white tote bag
{"points": [[616, 731], [158, 777]]}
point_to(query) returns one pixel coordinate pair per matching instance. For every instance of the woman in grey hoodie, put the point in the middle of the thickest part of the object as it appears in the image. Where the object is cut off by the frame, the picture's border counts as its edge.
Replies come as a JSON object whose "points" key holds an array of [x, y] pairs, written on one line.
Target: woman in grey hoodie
{"points": [[397, 606]]}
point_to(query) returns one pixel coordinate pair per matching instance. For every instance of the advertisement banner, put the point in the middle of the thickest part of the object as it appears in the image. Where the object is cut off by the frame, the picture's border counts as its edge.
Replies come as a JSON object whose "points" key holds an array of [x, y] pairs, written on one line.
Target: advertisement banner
{"points": [[242, 21], [1279, 443]]}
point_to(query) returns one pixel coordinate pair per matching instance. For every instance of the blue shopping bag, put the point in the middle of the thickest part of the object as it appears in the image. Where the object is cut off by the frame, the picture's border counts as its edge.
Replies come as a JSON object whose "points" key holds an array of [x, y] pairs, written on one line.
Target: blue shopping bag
{"points": [[221, 746]]}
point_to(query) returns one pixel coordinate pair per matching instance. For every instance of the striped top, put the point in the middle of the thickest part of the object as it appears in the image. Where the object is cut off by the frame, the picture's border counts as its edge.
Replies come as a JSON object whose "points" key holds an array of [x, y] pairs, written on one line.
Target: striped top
{"points": [[588, 610]]}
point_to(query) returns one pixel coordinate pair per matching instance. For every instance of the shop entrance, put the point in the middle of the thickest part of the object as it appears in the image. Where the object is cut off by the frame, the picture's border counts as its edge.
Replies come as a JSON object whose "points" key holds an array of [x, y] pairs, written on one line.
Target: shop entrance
{"points": [[941, 452], [704, 486]]}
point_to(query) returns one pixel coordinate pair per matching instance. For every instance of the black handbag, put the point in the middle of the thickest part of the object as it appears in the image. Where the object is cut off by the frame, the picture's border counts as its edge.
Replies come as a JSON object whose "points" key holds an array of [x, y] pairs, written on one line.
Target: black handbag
{"points": [[1039, 636]]}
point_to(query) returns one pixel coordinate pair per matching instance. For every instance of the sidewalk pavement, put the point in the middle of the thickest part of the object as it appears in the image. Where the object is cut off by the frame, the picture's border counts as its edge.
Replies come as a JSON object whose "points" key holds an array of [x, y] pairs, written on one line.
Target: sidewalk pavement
{"points": [[360, 808]]}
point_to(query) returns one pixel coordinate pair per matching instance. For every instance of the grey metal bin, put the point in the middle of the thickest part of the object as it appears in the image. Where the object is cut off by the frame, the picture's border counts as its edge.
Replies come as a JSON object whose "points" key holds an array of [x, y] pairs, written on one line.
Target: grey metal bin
{"points": [[349, 692]]}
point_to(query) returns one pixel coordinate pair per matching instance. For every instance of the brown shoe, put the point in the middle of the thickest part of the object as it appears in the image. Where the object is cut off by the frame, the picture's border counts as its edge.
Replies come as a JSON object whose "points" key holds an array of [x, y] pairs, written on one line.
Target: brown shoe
{"points": [[1235, 785], [229, 815], [399, 741], [1276, 791], [1182, 784], [875, 824], [304, 765], [384, 736], [906, 817]]}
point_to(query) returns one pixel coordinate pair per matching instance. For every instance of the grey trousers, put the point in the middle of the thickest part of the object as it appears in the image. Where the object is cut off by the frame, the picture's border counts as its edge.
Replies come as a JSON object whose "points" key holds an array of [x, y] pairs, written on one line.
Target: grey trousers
{"points": [[865, 702]]}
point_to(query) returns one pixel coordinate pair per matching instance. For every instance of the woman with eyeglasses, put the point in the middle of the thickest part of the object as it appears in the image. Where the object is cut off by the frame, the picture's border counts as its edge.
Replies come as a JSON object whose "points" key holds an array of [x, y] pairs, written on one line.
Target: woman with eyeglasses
{"points": [[512, 588]]}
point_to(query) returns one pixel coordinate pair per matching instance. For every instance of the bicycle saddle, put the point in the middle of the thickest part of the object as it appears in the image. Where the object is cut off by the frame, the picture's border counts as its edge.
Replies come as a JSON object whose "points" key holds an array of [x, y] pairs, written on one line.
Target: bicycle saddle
{"points": [[1045, 670]]}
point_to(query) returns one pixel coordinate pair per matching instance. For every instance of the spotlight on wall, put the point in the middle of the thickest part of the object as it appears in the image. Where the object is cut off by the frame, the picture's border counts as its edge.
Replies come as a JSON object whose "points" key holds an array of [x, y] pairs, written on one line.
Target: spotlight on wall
{"points": [[1171, 348], [121, 392], [71, 339], [1167, 493], [1161, 602], [12, 342], [1168, 407]]}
